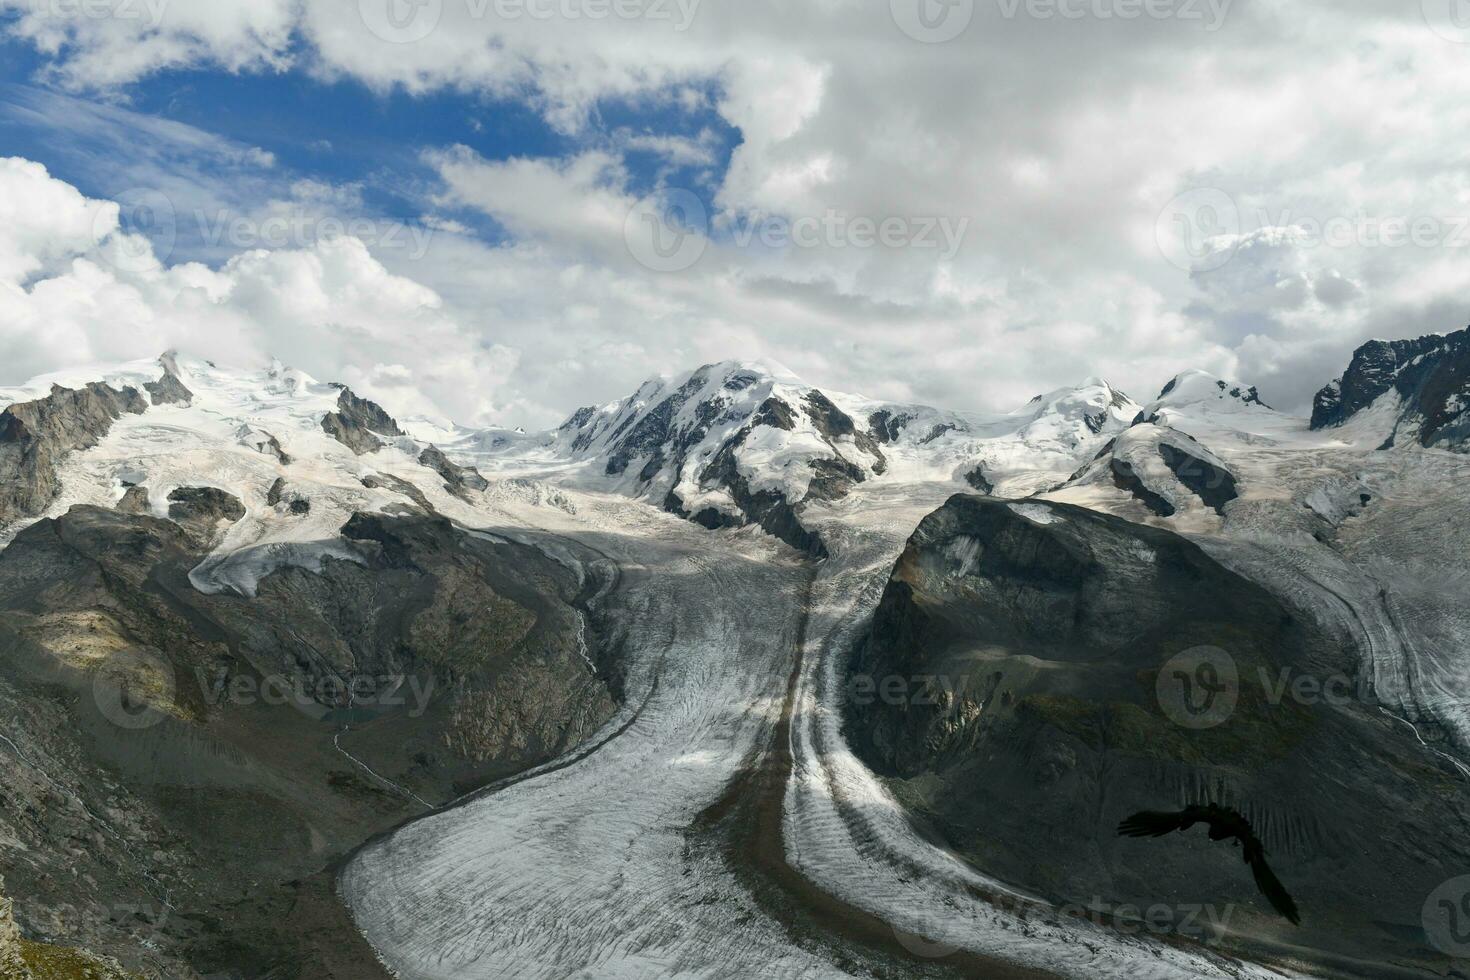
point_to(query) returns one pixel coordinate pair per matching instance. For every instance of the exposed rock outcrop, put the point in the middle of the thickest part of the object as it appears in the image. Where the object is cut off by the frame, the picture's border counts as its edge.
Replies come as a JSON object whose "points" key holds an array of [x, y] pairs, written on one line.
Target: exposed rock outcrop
{"points": [[295, 503], [1199, 470], [767, 508], [977, 479], [169, 389], [35, 436], [458, 480], [1164, 469], [204, 506], [135, 500], [387, 481], [357, 423], [1430, 376]]}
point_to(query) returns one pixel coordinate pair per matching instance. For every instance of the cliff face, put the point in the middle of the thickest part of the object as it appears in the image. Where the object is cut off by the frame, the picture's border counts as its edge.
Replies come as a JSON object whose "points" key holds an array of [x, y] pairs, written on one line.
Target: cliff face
{"points": [[35, 436], [1036, 672], [1430, 376]]}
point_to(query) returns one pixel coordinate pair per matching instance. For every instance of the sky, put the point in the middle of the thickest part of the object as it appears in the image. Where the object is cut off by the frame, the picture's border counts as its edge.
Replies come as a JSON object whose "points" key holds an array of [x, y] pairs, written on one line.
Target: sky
{"points": [[496, 211]]}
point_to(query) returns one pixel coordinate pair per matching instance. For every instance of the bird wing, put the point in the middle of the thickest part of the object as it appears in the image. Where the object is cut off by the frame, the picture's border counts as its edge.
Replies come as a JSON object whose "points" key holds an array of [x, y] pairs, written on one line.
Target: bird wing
{"points": [[1272, 888], [1153, 823]]}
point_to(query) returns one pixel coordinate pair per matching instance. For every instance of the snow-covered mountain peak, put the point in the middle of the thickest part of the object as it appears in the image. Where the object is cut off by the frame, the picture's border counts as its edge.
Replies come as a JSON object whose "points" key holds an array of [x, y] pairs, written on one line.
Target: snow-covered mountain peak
{"points": [[1197, 389]]}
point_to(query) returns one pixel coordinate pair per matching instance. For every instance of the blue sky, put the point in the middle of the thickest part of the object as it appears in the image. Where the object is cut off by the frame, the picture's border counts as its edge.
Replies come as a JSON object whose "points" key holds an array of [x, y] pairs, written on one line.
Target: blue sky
{"points": [[1066, 159], [338, 132]]}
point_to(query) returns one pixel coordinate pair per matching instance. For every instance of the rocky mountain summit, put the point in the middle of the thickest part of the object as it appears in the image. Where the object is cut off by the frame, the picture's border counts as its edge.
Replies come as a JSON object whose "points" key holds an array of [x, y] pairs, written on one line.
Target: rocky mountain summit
{"points": [[1420, 387]]}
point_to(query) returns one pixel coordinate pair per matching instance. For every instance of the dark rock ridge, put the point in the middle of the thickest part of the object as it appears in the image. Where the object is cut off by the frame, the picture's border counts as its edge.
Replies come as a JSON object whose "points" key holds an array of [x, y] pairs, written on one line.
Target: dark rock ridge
{"points": [[204, 505], [171, 745], [35, 436], [355, 422], [1430, 374], [1212, 483], [887, 426], [833, 423], [767, 508], [135, 500], [169, 389], [1125, 477], [295, 503], [458, 480], [1019, 689], [1129, 462], [977, 479]]}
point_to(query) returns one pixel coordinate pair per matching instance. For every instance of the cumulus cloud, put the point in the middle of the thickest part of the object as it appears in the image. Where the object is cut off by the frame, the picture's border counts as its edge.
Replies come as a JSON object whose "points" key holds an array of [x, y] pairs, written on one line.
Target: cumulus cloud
{"points": [[1060, 142], [111, 42], [80, 290]]}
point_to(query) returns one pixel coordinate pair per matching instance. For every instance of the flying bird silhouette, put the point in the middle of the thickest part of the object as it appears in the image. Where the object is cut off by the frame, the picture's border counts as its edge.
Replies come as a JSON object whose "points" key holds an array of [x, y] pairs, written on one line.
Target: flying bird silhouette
{"points": [[1224, 824]]}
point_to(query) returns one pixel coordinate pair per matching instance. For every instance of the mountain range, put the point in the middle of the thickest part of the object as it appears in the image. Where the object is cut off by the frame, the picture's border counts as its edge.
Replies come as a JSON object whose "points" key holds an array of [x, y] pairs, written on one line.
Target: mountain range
{"points": [[260, 634]]}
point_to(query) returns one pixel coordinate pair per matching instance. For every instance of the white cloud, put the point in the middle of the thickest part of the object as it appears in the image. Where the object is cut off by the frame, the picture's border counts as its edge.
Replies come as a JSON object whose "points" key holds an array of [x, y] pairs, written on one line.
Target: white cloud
{"points": [[112, 42], [47, 224], [331, 309], [1060, 142]]}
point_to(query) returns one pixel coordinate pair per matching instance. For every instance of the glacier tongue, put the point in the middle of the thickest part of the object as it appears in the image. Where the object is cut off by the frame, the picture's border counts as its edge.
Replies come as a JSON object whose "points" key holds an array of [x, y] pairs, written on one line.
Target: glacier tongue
{"points": [[600, 864]]}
